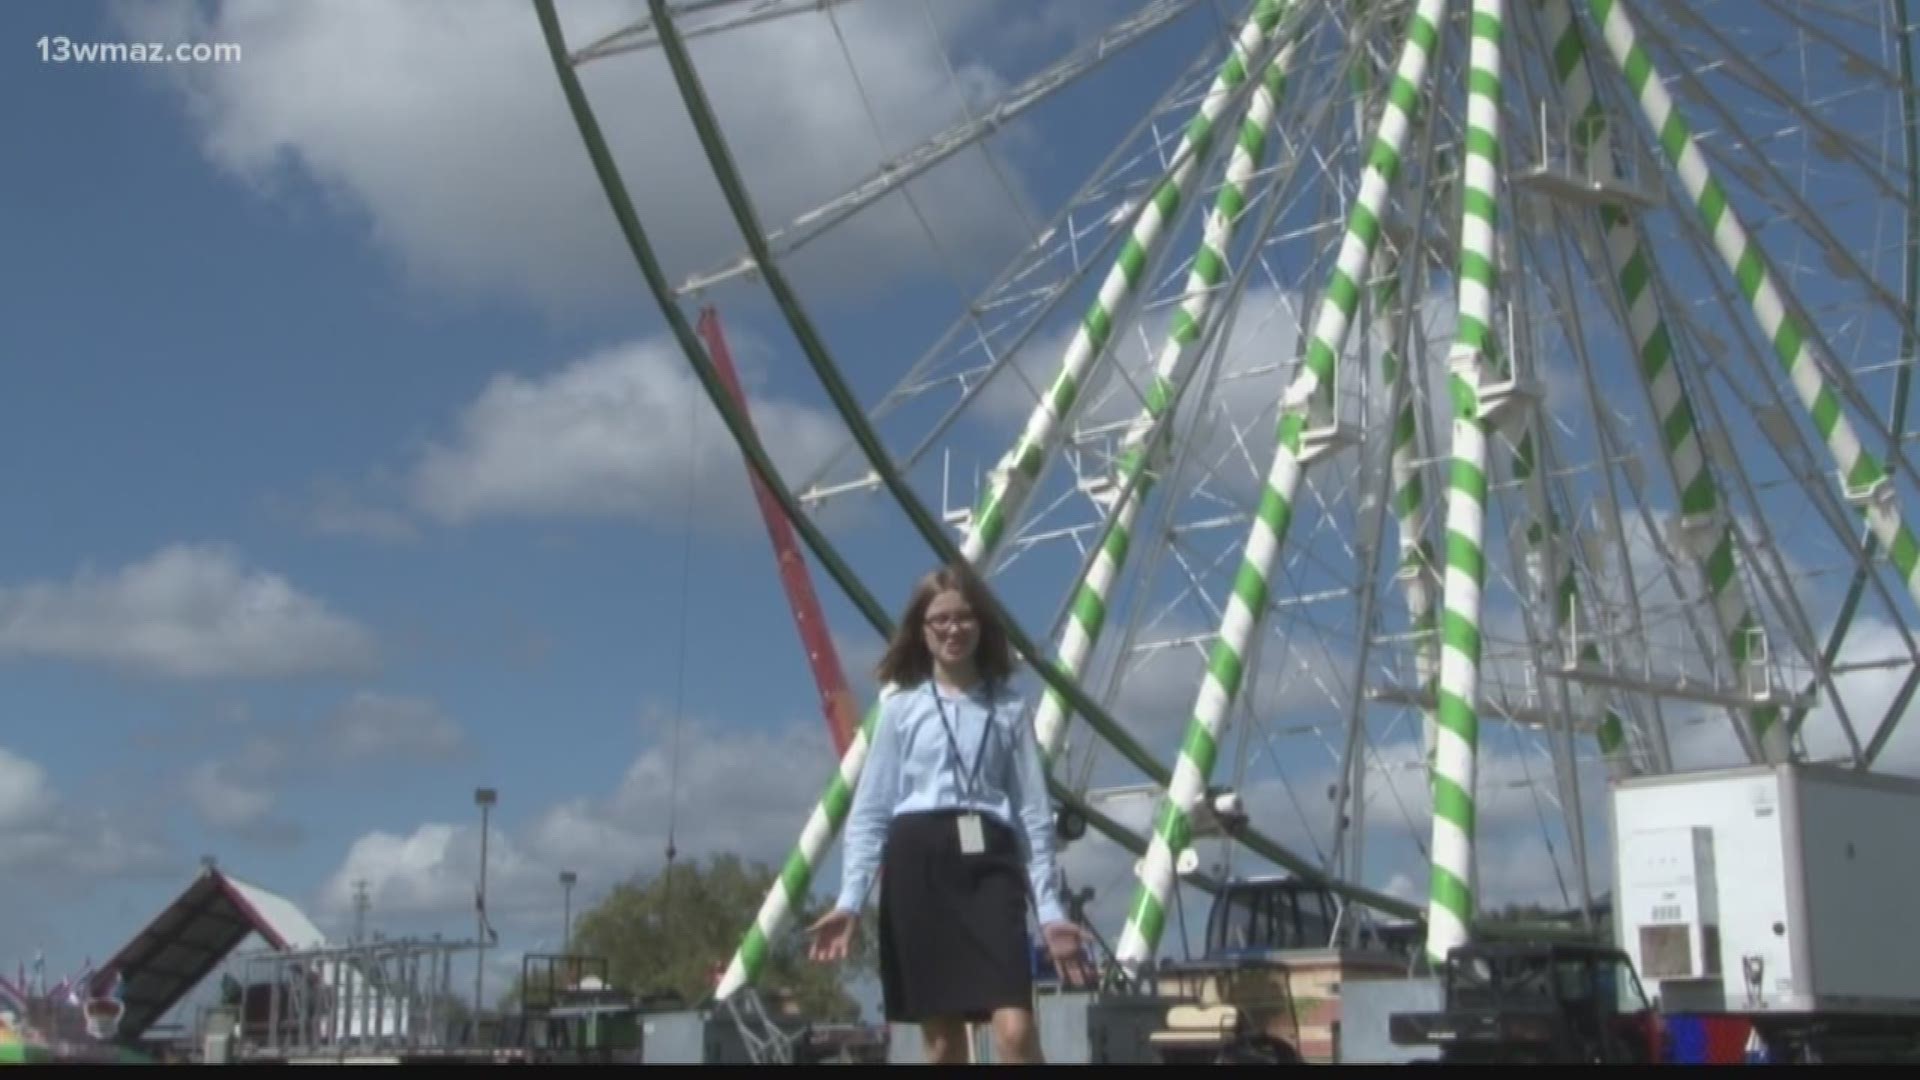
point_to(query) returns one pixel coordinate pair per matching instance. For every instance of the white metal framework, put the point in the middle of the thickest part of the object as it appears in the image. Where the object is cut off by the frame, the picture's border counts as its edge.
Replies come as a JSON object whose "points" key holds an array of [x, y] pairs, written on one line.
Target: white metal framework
{"points": [[1557, 350]]}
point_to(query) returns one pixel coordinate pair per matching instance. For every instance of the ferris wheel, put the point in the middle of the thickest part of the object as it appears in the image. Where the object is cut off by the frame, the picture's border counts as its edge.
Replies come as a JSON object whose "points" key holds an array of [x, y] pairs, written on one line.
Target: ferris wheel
{"points": [[1411, 417]]}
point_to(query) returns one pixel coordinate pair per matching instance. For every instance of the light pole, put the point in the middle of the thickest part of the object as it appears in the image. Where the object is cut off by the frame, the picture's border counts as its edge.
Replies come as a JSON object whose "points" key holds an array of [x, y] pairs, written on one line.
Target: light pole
{"points": [[567, 878], [484, 798]]}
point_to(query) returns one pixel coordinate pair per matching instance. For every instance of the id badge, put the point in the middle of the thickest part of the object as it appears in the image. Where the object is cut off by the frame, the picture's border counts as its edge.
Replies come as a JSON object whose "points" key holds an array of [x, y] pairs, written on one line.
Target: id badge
{"points": [[972, 840]]}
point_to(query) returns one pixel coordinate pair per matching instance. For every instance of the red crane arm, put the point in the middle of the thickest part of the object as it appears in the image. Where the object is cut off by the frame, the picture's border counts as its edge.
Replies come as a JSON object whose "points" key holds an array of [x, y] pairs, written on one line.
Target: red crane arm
{"points": [[836, 700]]}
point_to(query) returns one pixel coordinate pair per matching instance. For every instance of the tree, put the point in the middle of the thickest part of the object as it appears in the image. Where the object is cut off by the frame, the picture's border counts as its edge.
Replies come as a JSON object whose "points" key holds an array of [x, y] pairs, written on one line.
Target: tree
{"points": [[1541, 915], [669, 934]]}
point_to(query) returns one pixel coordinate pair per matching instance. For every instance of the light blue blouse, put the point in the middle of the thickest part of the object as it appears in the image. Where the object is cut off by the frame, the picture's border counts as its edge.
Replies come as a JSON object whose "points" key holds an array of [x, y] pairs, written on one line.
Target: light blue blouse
{"points": [[910, 767]]}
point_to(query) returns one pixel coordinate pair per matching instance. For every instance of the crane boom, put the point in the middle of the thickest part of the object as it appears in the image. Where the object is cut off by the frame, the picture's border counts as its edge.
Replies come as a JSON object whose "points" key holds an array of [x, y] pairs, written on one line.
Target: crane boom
{"points": [[836, 700]]}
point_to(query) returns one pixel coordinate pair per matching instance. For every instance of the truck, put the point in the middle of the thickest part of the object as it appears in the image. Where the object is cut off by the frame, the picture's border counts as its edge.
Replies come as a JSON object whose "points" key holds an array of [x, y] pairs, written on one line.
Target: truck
{"points": [[1779, 897], [1536, 1002]]}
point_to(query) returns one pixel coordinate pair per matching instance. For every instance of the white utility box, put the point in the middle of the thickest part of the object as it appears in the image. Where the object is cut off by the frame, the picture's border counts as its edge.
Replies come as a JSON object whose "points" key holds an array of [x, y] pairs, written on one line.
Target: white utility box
{"points": [[1776, 889]]}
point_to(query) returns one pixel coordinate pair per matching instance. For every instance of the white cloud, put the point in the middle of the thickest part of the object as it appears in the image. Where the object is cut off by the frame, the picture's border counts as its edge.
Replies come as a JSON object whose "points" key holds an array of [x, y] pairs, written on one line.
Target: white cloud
{"points": [[222, 800], [1704, 738], [1514, 781], [859, 650], [614, 434], [423, 871], [1867, 693], [626, 432], [47, 844], [444, 127], [231, 798], [1263, 334], [748, 792], [57, 850], [385, 727], [1230, 448], [24, 790], [240, 767], [1260, 355], [1156, 699], [189, 611], [744, 792], [333, 508]]}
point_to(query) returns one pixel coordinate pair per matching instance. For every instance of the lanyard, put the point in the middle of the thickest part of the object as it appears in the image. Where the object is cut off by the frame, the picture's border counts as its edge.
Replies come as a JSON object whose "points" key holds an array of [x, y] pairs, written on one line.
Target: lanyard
{"points": [[969, 778]]}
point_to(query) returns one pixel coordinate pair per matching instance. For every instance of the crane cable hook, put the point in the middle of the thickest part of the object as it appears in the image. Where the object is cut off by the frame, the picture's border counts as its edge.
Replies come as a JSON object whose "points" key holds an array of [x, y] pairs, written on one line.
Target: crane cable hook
{"points": [[680, 676]]}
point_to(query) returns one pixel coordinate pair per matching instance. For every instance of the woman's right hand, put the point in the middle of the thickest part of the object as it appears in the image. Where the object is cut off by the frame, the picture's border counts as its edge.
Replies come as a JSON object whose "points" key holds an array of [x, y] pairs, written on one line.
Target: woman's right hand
{"points": [[832, 936]]}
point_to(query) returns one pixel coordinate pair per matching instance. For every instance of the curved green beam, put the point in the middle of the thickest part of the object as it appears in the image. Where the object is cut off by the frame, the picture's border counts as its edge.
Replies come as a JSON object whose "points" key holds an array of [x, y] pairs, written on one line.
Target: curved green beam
{"points": [[757, 459]]}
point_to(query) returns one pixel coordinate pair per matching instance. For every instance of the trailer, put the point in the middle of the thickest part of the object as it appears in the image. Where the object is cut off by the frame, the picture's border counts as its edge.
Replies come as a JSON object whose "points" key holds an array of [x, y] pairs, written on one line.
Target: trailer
{"points": [[1778, 898]]}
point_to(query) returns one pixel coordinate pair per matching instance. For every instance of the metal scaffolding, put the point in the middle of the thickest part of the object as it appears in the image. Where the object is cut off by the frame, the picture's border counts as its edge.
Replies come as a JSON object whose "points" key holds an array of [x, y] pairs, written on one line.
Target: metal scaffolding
{"points": [[379, 997]]}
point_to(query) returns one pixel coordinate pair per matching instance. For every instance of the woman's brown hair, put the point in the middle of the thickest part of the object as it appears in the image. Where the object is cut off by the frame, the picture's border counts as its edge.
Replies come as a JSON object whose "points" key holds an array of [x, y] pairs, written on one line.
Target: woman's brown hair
{"points": [[907, 661]]}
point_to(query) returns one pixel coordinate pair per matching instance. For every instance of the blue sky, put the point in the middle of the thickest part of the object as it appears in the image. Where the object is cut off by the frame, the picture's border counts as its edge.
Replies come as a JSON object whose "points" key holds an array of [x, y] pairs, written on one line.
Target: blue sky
{"points": [[351, 470], [288, 580]]}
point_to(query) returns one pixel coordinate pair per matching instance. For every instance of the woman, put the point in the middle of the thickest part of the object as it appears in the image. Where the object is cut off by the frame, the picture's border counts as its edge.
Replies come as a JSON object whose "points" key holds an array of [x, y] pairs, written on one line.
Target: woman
{"points": [[952, 811]]}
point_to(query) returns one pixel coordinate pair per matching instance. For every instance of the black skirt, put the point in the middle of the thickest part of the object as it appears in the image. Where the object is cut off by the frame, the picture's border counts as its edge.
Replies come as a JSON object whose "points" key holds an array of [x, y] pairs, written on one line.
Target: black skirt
{"points": [[953, 927]]}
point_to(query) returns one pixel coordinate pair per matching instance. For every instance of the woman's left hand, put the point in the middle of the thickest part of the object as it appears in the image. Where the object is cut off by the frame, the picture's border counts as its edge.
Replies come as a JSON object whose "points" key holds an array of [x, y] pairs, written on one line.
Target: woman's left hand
{"points": [[1067, 944]]}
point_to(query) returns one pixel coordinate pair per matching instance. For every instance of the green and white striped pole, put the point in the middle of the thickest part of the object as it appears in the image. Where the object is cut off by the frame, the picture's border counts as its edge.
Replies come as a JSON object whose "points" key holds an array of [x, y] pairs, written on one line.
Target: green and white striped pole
{"points": [[1011, 484], [1451, 903], [1013, 478], [796, 875], [1701, 505], [1861, 471], [1139, 453], [1559, 587], [1173, 830], [1418, 567]]}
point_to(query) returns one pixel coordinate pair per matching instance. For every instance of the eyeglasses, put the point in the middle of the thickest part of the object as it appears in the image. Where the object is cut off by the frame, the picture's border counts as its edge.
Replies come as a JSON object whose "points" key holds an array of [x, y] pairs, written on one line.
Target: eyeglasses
{"points": [[946, 621]]}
